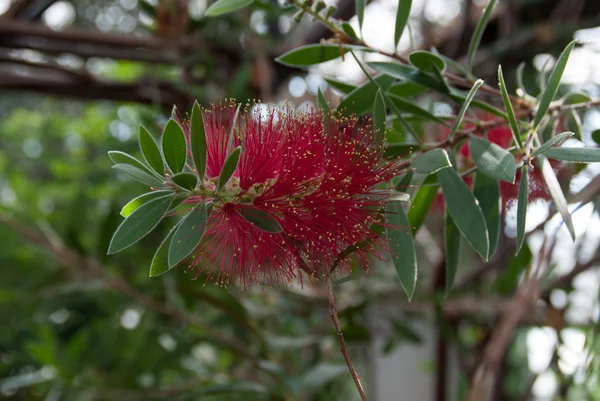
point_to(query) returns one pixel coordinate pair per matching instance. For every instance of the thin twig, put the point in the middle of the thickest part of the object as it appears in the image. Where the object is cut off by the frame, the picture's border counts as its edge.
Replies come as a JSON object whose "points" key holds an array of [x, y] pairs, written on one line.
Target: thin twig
{"points": [[338, 329]]}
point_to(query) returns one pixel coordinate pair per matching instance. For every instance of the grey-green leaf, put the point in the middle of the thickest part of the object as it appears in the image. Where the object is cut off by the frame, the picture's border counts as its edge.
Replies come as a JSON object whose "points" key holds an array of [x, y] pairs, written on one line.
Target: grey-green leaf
{"points": [[432, 161], [478, 33], [522, 202], [160, 261], [401, 19], [427, 61], [487, 193], [135, 203], [452, 250], [402, 247], [185, 180], [465, 107], [379, 117], [173, 146], [360, 12], [308, 55], [188, 235], [557, 194], [551, 142], [571, 154], [361, 99], [143, 220], [465, 210], [553, 83], [512, 119], [261, 219], [410, 106], [226, 6], [138, 175], [340, 86], [492, 160], [405, 89], [151, 151], [229, 167], [119, 157], [198, 140]]}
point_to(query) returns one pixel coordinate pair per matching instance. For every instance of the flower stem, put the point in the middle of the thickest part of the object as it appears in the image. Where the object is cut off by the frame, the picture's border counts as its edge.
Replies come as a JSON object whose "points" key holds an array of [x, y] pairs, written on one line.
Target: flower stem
{"points": [[338, 329]]}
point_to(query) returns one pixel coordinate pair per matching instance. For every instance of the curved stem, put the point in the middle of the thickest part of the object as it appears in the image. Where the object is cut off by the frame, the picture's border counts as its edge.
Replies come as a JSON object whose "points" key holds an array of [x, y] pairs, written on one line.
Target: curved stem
{"points": [[338, 329]]}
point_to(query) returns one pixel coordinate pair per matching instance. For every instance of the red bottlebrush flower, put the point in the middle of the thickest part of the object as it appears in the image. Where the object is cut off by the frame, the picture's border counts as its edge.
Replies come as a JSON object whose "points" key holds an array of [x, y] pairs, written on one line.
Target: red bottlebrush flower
{"points": [[316, 183]]}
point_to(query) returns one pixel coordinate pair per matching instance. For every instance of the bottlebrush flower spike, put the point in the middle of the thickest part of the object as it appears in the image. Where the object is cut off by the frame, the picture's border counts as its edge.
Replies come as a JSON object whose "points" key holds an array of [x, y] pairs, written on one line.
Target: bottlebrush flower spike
{"points": [[301, 194]]}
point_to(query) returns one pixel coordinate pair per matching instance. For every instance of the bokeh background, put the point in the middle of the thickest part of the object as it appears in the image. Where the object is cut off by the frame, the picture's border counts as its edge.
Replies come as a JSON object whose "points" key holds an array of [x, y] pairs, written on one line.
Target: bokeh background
{"points": [[76, 80]]}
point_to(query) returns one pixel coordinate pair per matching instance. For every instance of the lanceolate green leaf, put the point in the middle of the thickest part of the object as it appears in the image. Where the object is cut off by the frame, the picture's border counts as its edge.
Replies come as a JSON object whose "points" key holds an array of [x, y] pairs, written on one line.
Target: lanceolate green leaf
{"points": [[512, 119], [188, 235], [379, 117], [432, 161], [402, 246], [551, 142], [427, 61], [138, 175], [556, 192], [198, 140], [339, 85], [173, 145], [229, 167], [185, 180], [401, 19], [315, 54], [160, 261], [464, 210], [409, 73], [421, 204], [396, 150], [409, 106], [579, 155], [226, 6], [361, 99], [522, 202], [452, 248], [261, 220], [135, 203], [119, 157], [405, 89], [150, 151], [487, 193], [139, 223], [322, 102], [492, 160], [360, 12], [478, 33], [465, 107], [553, 83]]}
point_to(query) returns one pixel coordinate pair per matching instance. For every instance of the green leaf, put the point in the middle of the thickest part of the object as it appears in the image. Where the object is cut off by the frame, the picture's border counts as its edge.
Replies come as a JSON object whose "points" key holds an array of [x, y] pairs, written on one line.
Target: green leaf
{"points": [[577, 98], [478, 33], [185, 180], [402, 15], [226, 6], [411, 107], [361, 99], [409, 73], [512, 119], [261, 219], [421, 204], [492, 160], [400, 150], [464, 108], [135, 203], [427, 61], [138, 175], [160, 261], [139, 223], [188, 235], [322, 102], [573, 124], [432, 161], [556, 192], [379, 117], [553, 83], [405, 89], [402, 247], [551, 142], [522, 202], [596, 136], [119, 157], [340, 86], [229, 167], [348, 30], [173, 145], [150, 151], [308, 55], [198, 140], [452, 248], [360, 12], [464, 210], [487, 193]]}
